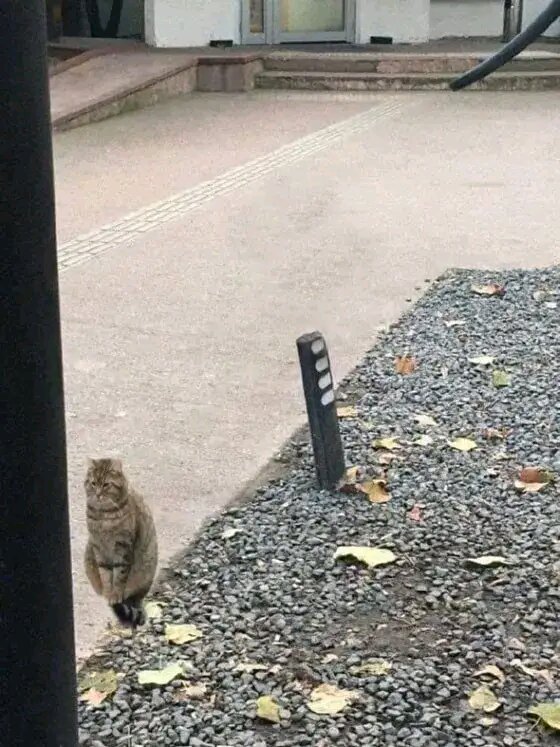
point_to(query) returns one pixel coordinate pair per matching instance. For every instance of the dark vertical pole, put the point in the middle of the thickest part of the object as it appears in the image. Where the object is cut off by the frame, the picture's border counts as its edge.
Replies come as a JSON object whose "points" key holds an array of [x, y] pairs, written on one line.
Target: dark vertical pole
{"points": [[37, 667], [318, 387]]}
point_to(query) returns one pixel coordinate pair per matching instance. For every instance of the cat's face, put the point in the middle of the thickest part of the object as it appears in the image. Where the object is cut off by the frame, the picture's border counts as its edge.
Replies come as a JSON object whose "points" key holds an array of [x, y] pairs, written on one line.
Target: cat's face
{"points": [[105, 482]]}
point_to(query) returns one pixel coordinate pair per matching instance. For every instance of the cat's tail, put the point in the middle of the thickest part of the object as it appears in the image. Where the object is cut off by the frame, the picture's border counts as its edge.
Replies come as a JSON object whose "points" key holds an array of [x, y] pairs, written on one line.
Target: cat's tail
{"points": [[130, 612]]}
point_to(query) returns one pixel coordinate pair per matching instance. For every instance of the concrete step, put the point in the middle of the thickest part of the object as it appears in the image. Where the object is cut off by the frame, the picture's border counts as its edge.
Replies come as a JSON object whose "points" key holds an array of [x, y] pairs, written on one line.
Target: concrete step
{"points": [[341, 81], [403, 63]]}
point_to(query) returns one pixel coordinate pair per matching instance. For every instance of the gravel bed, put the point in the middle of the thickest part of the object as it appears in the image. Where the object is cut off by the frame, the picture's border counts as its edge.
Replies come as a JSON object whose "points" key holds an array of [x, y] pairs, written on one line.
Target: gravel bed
{"points": [[273, 594]]}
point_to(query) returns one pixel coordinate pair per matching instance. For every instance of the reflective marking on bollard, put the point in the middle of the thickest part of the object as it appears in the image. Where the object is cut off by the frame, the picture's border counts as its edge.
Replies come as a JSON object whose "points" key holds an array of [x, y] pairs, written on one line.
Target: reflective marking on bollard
{"points": [[321, 409]]}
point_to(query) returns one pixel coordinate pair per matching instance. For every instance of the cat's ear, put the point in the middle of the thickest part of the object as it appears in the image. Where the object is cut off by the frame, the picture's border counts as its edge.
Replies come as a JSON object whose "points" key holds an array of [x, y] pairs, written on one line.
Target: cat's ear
{"points": [[116, 465], [91, 463]]}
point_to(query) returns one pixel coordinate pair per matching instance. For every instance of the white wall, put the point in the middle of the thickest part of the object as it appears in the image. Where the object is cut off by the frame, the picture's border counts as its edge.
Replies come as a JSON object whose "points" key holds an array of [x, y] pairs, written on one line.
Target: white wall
{"points": [[531, 9], [404, 20], [466, 18], [191, 23]]}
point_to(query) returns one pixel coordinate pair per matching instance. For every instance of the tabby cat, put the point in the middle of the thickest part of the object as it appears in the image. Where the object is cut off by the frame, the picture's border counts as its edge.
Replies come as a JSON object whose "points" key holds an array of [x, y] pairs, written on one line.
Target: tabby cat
{"points": [[121, 554]]}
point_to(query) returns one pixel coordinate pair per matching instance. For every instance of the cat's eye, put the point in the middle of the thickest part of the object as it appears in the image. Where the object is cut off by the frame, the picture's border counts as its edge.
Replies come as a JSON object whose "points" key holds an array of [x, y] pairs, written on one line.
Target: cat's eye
{"points": [[106, 485]]}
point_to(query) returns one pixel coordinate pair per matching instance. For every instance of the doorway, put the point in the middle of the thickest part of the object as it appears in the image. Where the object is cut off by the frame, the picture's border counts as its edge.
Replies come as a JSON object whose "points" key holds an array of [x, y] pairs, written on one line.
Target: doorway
{"points": [[281, 21]]}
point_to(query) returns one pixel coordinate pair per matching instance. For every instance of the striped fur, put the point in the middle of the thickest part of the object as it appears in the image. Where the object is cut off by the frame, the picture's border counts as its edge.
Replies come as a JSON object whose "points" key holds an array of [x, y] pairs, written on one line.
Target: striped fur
{"points": [[121, 553]]}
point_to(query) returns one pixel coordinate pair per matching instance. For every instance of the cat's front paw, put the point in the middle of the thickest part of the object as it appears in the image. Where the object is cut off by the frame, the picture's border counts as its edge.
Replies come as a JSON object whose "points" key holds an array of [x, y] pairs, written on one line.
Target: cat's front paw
{"points": [[114, 597]]}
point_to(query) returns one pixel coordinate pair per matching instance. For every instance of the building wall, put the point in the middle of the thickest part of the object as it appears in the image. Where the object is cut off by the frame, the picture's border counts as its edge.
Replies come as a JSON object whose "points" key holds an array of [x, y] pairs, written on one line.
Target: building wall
{"points": [[191, 23], [531, 9], [404, 20], [466, 18]]}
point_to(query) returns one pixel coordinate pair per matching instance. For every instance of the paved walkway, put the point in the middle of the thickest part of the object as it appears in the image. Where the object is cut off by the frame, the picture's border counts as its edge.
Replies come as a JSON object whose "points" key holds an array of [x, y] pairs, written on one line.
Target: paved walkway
{"points": [[281, 213]]}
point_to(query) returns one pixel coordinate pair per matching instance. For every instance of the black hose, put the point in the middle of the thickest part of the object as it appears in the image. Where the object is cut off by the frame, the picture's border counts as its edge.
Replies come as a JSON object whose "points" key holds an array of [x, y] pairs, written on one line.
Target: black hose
{"points": [[516, 45]]}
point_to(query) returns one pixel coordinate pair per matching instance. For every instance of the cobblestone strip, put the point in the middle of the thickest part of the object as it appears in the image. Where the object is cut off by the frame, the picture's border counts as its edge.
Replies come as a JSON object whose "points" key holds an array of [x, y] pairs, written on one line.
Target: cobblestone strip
{"points": [[89, 245]]}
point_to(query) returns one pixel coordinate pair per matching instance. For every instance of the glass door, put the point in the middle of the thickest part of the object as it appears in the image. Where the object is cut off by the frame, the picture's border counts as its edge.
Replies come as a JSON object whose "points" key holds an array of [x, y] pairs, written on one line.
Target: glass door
{"points": [[311, 20], [254, 17], [277, 21]]}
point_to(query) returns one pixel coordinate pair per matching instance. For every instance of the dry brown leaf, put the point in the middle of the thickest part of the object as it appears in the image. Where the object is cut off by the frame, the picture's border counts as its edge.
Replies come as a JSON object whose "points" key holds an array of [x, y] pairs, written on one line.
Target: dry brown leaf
{"points": [[348, 482], [94, 697], [493, 671], [377, 667], [190, 692], [386, 458], [415, 513], [494, 434], [543, 674], [533, 479], [535, 474], [405, 364], [376, 491], [490, 289]]}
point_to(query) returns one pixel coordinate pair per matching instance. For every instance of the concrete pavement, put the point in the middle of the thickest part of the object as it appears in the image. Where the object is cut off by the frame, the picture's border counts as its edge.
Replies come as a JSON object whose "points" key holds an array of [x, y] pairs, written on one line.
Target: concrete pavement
{"points": [[179, 331]]}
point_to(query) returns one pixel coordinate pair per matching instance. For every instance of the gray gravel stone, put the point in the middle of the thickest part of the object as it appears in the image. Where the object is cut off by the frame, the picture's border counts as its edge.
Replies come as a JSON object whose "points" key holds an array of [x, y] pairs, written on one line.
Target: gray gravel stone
{"points": [[272, 593]]}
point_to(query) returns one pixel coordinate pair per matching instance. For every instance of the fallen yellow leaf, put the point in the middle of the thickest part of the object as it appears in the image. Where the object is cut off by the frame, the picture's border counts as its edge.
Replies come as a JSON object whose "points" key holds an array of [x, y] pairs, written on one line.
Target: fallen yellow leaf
{"points": [[482, 360], [153, 610], [490, 289], [181, 634], [463, 444], [376, 491], [500, 378], [549, 713], [327, 700], [489, 560], [483, 699], [378, 667], [268, 709], [389, 444], [346, 412], [370, 556], [161, 676], [250, 666], [230, 532], [529, 487], [423, 440], [104, 681], [543, 674]]}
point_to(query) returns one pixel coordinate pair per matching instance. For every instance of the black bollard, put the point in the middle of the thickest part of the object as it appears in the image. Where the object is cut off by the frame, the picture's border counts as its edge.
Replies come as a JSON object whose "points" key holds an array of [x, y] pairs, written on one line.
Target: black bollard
{"points": [[318, 387], [37, 661]]}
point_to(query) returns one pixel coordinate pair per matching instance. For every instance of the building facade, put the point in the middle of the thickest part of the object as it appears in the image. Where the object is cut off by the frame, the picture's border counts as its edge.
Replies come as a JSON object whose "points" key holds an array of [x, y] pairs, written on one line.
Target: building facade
{"points": [[190, 23]]}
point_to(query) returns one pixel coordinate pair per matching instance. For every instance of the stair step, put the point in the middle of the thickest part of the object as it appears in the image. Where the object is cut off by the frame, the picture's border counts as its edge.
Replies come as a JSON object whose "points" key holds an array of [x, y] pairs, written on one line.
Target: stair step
{"points": [[401, 63], [343, 81]]}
